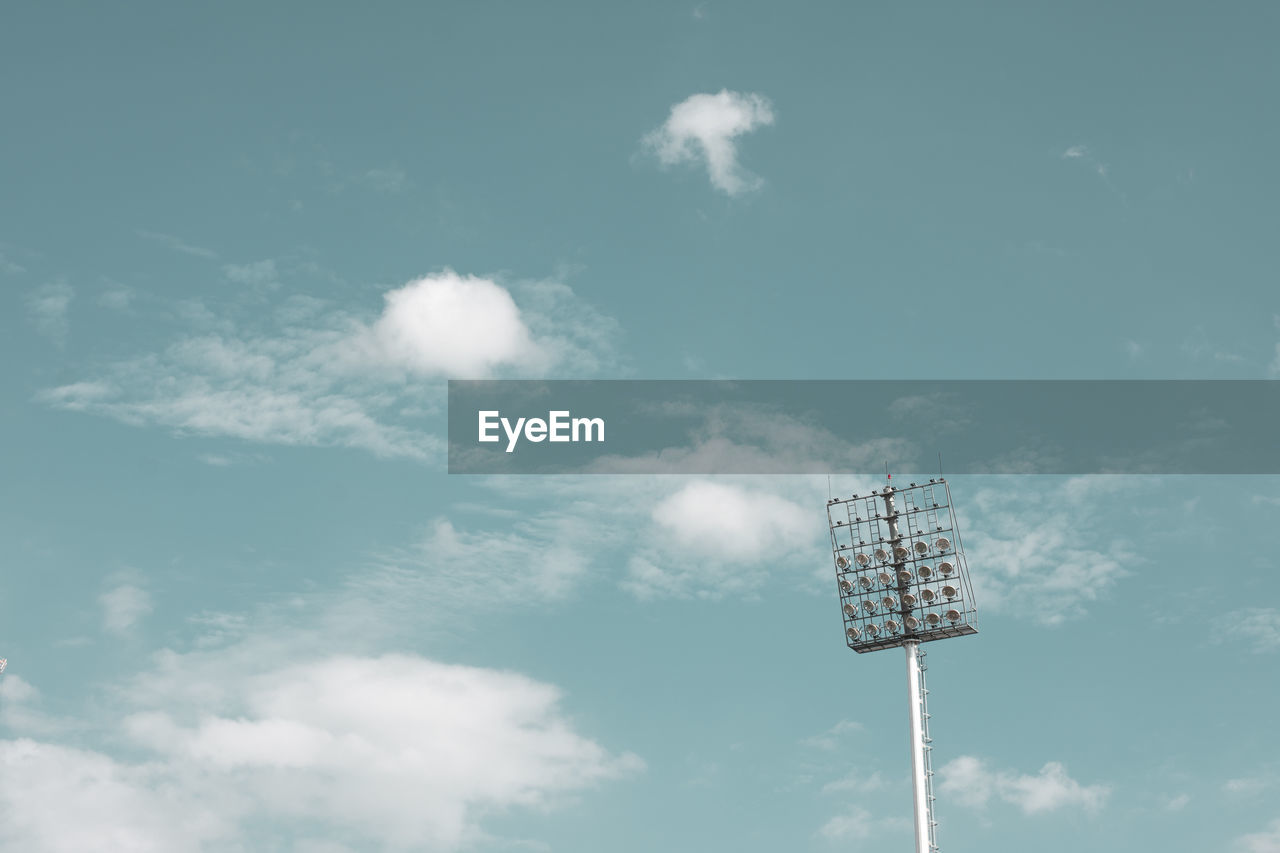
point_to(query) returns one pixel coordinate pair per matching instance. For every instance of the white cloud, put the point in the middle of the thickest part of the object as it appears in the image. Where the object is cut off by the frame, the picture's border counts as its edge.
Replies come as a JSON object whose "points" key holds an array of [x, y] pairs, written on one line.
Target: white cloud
{"points": [[711, 539], [122, 606], [729, 522], [703, 128], [20, 708], [1178, 803], [1075, 152], [1259, 626], [972, 783], [344, 381], [1247, 785], [1040, 551], [458, 326], [47, 309], [396, 751], [833, 737], [132, 809], [393, 751], [1267, 841], [858, 824]]}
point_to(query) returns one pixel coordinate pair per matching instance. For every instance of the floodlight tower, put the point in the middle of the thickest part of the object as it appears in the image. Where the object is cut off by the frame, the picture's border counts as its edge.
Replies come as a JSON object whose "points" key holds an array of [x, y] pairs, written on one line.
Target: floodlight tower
{"points": [[903, 581]]}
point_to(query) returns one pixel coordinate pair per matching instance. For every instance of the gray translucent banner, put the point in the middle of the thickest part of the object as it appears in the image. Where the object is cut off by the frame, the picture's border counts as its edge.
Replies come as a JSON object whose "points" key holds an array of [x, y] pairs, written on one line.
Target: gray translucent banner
{"points": [[856, 426]]}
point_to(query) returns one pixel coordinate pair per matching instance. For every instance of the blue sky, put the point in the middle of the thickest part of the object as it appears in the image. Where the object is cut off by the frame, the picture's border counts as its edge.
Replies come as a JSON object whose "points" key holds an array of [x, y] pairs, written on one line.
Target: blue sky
{"points": [[243, 248]]}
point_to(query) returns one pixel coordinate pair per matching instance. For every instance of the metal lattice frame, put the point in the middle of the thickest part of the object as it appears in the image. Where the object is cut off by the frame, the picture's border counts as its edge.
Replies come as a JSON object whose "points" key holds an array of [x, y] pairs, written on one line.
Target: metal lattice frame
{"points": [[912, 586]]}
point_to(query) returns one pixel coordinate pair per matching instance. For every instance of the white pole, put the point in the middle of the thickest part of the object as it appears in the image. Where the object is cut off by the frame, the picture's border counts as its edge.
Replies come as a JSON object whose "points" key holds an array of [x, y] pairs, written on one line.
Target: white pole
{"points": [[918, 780], [917, 749]]}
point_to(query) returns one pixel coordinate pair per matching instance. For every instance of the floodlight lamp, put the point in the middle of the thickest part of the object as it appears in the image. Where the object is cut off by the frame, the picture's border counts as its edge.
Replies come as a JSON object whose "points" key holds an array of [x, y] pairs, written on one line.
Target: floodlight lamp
{"points": [[922, 548], [900, 553], [846, 586], [953, 615], [853, 634], [911, 622], [869, 606], [851, 610], [925, 572], [873, 630], [865, 582], [943, 544], [862, 560], [882, 555], [889, 602], [950, 591], [908, 600], [892, 626], [946, 568], [904, 576], [932, 619], [885, 578], [842, 562], [928, 595]]}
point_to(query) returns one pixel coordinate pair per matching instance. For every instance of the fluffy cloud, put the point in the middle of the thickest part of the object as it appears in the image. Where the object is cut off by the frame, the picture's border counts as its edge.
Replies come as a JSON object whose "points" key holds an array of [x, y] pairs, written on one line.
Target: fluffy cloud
{"points": [[972, 783], [112, 806], [458, 326], [396, 750], [344, 381], [711, 539], [730, 522], [703, 128]]}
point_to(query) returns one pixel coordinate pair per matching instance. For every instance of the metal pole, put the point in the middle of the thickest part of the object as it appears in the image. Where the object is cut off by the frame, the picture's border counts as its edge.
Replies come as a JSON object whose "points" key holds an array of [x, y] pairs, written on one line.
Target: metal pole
{"points": [[917, 749], [918, 778]]}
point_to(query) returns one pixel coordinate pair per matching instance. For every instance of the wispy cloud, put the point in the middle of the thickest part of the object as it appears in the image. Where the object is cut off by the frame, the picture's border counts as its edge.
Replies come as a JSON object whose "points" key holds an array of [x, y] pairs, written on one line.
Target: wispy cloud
{"points": [[341, 380], [1267, 841], [10, 267], [1041, 554], [177, 244], [256, 273], [703, 128], [1082, 154], [834, 737], [1198, 347], [858, 824], [47, 307], [389, 179], [1257, 626], [123, 605], [116, 296], [971, 782]]}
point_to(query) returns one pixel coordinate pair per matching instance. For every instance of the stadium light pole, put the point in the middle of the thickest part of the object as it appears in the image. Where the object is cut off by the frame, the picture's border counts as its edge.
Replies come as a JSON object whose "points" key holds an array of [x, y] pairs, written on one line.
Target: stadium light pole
{"points": [[899, 550]]}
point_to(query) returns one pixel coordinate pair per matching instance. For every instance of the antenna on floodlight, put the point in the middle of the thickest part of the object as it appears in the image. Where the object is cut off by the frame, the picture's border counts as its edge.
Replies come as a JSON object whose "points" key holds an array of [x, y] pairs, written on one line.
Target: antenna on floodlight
{"points": [[880, 543]]}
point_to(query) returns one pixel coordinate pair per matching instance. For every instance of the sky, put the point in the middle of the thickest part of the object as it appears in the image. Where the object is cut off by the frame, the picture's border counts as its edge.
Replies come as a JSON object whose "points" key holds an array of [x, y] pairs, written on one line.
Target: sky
{"points": [[243, 247]]}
